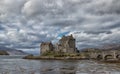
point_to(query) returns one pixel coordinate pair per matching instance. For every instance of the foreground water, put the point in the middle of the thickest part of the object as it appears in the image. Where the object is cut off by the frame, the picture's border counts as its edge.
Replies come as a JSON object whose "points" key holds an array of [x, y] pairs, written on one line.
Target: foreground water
{"points": [[16, 65]]}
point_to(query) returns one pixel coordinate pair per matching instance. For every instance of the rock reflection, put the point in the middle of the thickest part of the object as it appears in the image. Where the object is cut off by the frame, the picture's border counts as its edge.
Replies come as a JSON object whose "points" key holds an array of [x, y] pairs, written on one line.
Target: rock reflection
{"points": [[67, 70]]}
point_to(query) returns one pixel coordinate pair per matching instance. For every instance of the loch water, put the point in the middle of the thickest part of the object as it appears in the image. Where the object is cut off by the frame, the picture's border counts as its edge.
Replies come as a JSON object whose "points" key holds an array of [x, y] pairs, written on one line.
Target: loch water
{"points": [[17, 65]]}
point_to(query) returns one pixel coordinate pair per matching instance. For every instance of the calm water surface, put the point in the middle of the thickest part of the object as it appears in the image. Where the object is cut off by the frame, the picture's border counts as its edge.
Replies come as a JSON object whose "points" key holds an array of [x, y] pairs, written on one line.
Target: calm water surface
{"points": [[16, 65]]}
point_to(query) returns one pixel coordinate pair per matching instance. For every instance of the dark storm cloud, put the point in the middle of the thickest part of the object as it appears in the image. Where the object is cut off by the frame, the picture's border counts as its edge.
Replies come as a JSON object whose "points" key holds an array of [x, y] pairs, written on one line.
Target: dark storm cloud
{"points": [[25, 23], [1, 28], [98, 32], [112, 8], [116, 25]]}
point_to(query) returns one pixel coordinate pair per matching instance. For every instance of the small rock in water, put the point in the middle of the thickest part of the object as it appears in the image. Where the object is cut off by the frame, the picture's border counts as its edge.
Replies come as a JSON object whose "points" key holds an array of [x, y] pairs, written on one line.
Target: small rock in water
{"points": [[47, 69], [68, 70]]}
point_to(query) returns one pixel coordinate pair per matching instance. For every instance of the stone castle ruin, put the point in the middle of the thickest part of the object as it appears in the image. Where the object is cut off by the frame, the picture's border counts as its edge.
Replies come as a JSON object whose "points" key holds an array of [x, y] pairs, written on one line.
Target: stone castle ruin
{"points": [[66, 44], [46, 46]]}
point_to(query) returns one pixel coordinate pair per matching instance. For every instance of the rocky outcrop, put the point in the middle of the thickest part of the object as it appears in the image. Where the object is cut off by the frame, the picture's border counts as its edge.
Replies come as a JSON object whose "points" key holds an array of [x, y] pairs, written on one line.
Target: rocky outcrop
{"points": [[2, 52]]}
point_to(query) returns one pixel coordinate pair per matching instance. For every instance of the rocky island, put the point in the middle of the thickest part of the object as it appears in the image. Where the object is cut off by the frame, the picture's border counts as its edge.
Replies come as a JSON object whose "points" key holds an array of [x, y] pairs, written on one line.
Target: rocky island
{"points": [[66, 49]]}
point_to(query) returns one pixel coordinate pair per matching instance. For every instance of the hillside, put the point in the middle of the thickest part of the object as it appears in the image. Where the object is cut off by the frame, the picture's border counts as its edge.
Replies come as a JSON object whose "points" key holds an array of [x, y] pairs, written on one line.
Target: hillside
{"points": [[105, 47], [12, 51], [112, 47]]}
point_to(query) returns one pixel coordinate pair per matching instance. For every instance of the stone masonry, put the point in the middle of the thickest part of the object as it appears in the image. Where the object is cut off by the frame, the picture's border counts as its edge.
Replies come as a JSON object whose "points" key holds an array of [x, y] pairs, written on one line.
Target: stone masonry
{"points": [[46, 46], [66, 44]]}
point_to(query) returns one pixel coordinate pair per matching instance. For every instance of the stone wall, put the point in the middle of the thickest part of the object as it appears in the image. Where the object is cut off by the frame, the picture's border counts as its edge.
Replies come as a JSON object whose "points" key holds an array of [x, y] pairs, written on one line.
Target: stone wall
{"points": [[68, 44]]}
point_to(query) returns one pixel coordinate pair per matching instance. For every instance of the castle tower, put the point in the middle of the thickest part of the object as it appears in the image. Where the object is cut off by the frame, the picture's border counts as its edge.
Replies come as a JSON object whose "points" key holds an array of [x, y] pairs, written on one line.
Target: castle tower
{"points": [[45, 47], [68, 44]]}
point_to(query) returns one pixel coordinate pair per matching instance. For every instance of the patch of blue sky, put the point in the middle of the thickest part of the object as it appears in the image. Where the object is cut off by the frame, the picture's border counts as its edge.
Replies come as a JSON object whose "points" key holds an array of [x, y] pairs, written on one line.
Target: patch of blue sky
{"points": [[62, 34]]}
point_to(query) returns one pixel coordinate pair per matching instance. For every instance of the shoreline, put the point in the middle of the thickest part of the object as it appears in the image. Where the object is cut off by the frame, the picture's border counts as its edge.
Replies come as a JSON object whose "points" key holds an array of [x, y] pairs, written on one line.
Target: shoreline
{"points": [[53, 58], [31, 57], [111, 61]]}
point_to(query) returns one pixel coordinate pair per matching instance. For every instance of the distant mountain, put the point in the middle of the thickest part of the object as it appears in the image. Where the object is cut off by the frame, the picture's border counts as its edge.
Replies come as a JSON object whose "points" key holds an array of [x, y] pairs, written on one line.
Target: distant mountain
{"points": [[111, 47], [12, 51], [105, 47]]}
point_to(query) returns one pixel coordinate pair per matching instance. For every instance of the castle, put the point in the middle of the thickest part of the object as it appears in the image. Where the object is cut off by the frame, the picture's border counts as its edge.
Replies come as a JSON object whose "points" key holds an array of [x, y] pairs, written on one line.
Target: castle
{"points": [[66, 44]]}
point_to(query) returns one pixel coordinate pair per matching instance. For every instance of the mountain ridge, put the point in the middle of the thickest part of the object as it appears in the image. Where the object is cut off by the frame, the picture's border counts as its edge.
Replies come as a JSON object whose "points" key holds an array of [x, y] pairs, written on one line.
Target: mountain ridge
{"points": [[12, 51]]}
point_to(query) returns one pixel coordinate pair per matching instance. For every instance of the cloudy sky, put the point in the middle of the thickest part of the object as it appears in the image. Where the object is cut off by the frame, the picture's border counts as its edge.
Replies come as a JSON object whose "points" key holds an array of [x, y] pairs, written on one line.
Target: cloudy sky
{"points": [[25, 23]]}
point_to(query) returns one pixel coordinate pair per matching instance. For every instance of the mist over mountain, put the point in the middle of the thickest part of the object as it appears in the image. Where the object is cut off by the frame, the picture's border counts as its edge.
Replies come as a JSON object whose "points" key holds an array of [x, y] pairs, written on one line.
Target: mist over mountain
{"points": [[104, 47], [112, 47], [12, 51]]}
